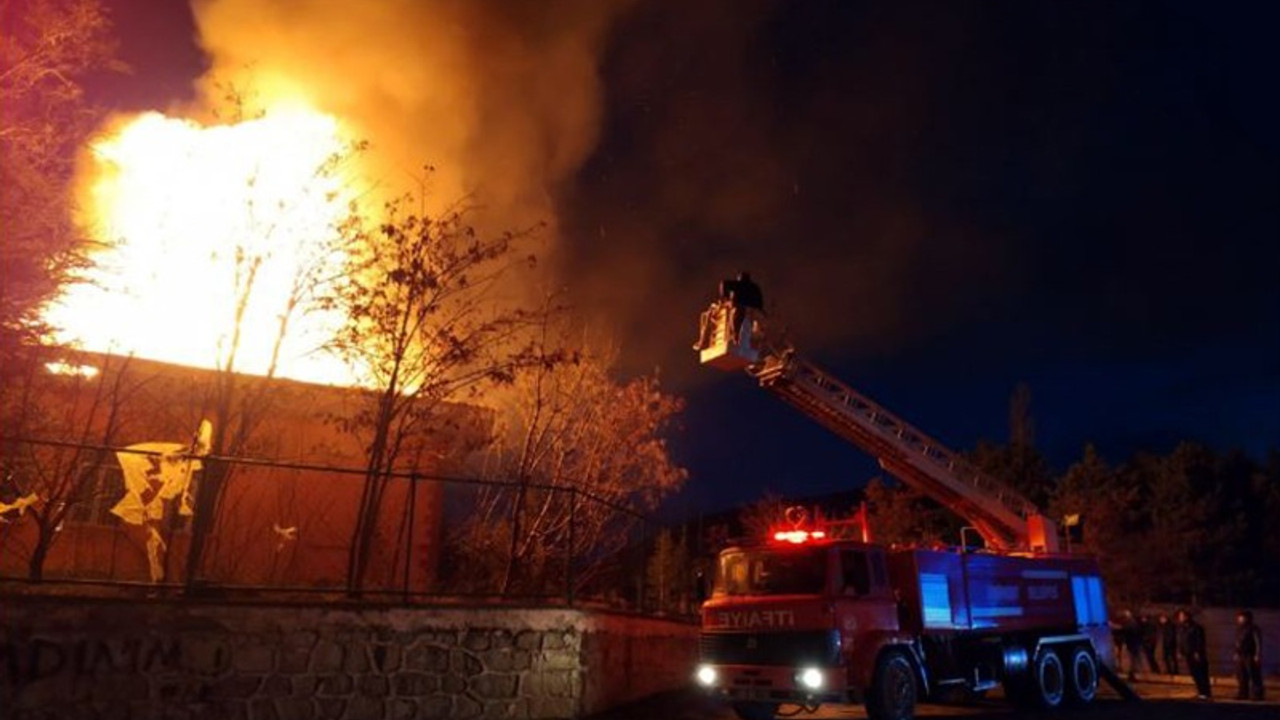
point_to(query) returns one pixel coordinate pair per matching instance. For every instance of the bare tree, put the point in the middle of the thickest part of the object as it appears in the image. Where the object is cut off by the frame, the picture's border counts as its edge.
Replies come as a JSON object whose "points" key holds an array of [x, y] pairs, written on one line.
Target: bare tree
{"points": [[273, 226], [588, 456], [760, 519], [47, 47], [429, 320], [84, 411], [902, 515], [670, 573]]}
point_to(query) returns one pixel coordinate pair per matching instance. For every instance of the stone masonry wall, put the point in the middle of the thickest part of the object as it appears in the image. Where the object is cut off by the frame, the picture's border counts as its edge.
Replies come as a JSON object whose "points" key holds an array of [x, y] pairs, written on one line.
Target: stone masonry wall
{"points": [[76, 658], [628, 658]]}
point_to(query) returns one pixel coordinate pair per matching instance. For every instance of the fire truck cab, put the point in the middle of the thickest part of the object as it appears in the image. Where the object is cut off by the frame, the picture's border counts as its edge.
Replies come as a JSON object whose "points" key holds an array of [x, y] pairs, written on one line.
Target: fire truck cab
{"points": [[794, 621]]}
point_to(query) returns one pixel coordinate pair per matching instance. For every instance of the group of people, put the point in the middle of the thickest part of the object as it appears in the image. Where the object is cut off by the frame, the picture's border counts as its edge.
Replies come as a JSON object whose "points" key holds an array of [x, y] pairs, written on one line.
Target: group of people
{"points": [[1184, 637]]}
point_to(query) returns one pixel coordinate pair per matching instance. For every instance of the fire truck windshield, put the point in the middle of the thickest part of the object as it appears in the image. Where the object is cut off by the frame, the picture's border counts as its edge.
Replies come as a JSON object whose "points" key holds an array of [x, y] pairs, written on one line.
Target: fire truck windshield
{"points": [[799, 571]]}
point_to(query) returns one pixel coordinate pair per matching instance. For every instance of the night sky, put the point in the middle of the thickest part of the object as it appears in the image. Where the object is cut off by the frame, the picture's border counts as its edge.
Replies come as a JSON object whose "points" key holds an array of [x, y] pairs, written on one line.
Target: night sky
{"points": [[940, 200]]}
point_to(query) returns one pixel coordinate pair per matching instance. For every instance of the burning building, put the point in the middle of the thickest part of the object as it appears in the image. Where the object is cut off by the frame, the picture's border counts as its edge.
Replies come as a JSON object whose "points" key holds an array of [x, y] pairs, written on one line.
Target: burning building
{"points": [[288, 510]]}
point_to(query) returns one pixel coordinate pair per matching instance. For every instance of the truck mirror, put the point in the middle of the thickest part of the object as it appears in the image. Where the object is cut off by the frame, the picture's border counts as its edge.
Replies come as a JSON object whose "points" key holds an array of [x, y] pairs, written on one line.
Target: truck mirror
{"points": [[701, 588]]}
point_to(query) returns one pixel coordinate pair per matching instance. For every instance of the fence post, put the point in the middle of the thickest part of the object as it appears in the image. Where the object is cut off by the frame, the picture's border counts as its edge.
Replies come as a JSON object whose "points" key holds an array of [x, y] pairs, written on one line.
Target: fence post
{"points": [[644, 557], [568, 570], [408, 554], [208, 503]]}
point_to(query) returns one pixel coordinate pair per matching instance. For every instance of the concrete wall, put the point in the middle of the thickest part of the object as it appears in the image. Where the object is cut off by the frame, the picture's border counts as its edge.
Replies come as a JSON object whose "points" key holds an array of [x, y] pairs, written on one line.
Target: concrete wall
{"points": [[75, 658]]}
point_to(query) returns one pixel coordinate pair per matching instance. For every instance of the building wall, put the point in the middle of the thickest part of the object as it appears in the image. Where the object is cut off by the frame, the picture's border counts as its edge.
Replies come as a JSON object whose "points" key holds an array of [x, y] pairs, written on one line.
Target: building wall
{"points": [[277, 525], [71, 658]]}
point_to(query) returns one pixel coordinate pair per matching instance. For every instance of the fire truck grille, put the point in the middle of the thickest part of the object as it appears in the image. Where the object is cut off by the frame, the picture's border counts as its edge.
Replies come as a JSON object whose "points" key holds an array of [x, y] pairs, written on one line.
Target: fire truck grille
{"points": [[819, 647]]}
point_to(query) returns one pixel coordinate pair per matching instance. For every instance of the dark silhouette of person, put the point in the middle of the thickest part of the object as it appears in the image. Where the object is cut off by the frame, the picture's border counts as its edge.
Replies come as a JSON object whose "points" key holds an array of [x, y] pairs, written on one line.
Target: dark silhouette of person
{"points": [[1191, 642], [747, 293], [1168, 643], [1131, 637], [743, 294], [1248, 657], [1147, 636], [1117, 641]]}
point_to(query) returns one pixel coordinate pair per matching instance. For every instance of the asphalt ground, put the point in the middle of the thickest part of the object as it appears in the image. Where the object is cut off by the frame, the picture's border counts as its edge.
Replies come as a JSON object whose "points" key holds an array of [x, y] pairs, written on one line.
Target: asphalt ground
{"points": [[1161, 699]]}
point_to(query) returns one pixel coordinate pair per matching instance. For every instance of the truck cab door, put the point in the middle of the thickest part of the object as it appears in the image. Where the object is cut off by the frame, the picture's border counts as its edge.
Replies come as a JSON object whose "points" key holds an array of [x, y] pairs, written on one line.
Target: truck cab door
{"points": [[865, 609]]}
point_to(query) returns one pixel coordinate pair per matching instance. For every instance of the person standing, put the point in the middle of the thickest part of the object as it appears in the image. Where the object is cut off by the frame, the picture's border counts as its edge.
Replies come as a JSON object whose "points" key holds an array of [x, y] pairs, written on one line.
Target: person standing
{"points": [[1168, 643], [1131, 636], [1147, 633], [743, 297], [1248, 657], [1192, 643]]}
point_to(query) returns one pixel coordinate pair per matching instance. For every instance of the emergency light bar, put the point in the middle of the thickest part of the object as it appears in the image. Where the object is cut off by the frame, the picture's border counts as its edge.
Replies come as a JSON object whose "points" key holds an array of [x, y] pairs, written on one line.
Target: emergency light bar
{"points": [[798, 536]]}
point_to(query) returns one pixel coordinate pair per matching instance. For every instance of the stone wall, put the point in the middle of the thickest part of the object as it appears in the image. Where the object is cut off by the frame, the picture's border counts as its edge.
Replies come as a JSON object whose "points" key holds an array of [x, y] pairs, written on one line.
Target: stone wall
{"points": [[76, 658]]}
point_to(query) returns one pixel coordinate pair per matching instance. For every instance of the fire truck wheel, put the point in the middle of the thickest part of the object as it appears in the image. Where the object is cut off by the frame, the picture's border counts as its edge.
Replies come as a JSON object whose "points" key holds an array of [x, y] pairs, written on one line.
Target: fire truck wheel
{"points": [[755, 710], [893, 689], [1082, 684], [1049, 682]]}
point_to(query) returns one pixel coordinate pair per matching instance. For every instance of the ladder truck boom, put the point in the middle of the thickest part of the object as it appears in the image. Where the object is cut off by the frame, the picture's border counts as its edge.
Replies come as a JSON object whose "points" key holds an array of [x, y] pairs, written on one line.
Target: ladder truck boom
{"points": [[734, 337]]}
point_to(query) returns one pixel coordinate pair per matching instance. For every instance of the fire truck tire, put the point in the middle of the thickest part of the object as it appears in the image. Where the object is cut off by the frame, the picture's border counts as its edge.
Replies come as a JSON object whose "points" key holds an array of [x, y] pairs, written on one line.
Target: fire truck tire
{"points": [[1082, 678], [1048, 679], [892, 695], [756, 710]]}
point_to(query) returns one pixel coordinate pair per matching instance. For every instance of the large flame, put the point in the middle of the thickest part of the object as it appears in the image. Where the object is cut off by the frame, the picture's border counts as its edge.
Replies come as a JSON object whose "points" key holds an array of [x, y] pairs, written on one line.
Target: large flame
{"points": [[198, 221]]}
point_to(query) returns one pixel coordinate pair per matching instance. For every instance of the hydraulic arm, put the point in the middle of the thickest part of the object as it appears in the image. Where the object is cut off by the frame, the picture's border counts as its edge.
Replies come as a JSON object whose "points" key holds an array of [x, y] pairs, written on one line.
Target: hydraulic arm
{"points": [[733, 337]]}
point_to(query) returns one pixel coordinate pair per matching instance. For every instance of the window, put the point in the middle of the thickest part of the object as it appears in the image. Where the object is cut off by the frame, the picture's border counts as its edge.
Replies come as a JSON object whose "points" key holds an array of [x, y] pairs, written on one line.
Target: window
{"points": [[101, 487], [878, 574], [854, 569], [935, 597], [760, 572], [98, 489], [1091, 608]]}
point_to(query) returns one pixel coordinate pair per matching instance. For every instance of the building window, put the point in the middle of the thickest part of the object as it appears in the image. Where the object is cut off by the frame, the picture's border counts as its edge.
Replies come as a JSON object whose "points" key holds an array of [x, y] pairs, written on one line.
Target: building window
{"points": [[102, 486], [99, 488]]}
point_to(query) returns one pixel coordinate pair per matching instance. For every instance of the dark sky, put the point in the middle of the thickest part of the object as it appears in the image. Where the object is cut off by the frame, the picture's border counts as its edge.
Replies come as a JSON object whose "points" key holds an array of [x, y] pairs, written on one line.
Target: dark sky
{"points": [[941, 200]]}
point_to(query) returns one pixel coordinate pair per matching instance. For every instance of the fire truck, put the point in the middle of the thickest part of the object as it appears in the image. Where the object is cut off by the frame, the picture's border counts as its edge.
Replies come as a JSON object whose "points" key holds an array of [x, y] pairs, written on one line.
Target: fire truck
{"points": [[821, 615]]}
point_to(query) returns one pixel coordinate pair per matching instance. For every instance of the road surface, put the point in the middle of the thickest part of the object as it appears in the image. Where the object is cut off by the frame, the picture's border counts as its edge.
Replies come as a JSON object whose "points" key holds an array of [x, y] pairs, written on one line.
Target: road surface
{"points": [[1161, 701]]}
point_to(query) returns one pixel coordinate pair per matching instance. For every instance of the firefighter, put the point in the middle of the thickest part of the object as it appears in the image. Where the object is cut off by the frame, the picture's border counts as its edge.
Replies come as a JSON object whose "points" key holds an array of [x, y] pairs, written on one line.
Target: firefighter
{"points": [[1191, 642], [1248, 657], [743, 294], [1168, 643]]}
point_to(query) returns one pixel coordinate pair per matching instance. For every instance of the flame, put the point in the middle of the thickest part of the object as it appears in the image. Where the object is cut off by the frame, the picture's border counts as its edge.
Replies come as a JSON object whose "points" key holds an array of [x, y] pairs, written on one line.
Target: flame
{"points": [[184, 212]]}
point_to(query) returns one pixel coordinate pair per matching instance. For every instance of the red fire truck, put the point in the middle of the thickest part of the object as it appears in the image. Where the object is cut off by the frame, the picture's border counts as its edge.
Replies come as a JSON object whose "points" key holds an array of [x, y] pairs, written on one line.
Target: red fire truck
{"points": [[818, 616]]}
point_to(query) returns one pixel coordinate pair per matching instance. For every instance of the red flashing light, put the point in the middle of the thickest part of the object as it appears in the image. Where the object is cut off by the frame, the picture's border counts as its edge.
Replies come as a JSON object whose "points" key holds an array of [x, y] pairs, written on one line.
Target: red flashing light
{"points": [[797, 537]]}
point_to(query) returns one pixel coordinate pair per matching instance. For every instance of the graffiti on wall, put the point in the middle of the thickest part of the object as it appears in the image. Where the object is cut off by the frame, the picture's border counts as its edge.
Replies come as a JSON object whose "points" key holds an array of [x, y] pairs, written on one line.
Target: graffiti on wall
{"points": [[26, 661]]}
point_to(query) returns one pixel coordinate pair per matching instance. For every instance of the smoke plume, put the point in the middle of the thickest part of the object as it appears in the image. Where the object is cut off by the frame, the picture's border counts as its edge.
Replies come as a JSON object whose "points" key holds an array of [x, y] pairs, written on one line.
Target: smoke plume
{"points": [[501, 98], [781, 139]]}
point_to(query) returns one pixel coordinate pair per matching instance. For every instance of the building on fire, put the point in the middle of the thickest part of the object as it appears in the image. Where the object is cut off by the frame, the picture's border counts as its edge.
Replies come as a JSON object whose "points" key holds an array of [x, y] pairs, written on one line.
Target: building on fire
{"points": [[290, 505]]}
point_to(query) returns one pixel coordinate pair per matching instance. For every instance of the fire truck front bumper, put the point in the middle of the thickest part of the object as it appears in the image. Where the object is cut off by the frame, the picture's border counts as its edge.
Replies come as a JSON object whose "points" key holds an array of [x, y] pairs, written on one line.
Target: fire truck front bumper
{"points": [[770, 683]]}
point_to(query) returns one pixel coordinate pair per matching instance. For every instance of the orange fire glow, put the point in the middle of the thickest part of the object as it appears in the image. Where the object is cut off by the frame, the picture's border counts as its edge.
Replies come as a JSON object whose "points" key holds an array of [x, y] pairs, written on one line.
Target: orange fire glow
{"points": [[186, 213]]}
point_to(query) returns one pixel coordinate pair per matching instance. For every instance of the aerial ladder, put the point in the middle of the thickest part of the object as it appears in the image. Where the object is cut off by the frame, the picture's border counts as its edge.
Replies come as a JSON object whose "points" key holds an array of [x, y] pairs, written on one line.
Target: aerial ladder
{"points": [[736, 337]]}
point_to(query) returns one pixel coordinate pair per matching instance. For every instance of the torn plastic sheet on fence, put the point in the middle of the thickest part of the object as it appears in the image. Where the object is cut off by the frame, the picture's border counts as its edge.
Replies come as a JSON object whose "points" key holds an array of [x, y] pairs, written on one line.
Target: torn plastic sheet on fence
{"points": [[18, 506], [154, 473]]}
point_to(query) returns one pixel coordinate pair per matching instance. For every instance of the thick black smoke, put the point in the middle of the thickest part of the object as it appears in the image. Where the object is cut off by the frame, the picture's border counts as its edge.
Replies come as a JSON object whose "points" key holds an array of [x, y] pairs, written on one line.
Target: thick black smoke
{"points": [[1036, 178]]}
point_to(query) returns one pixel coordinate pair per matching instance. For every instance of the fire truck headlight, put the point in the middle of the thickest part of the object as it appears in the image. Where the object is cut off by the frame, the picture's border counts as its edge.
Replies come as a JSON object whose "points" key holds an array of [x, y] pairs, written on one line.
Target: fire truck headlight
{"points": [[707, 675], [811, 678]]}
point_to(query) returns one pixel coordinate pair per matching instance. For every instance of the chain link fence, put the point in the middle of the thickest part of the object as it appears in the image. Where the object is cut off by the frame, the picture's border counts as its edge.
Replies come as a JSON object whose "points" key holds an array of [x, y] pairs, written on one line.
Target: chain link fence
{"points": [[73, 518]]}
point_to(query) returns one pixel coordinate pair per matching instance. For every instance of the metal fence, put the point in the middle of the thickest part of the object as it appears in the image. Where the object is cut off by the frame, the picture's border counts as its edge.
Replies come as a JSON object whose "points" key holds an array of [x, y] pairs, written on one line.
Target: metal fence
{"points": [[73, 520]]}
